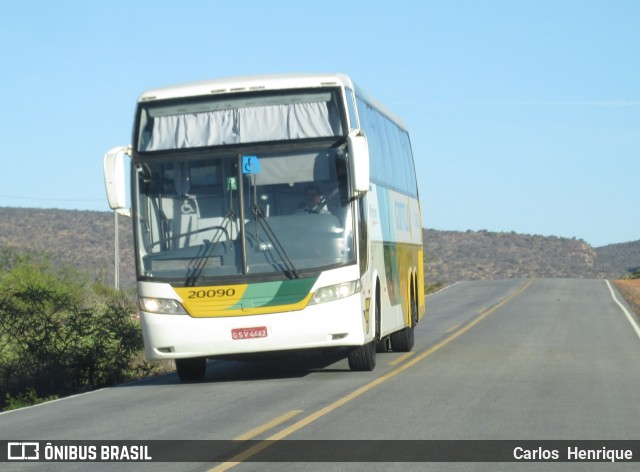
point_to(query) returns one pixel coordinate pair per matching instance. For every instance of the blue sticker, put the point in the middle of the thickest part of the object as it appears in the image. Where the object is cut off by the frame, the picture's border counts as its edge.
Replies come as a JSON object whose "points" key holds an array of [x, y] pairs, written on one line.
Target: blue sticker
{"points": [[250, 165]]}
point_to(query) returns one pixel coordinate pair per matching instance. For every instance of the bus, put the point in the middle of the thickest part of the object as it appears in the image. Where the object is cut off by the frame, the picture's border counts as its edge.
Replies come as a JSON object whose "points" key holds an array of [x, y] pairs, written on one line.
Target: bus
{"points": [[273, 215]]}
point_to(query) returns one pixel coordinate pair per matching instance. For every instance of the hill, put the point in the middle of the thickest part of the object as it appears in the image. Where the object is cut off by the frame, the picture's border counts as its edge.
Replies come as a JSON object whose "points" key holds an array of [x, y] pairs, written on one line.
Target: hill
{"points": [[619, 257], [82, 239], [85, 239], [472, 255]]}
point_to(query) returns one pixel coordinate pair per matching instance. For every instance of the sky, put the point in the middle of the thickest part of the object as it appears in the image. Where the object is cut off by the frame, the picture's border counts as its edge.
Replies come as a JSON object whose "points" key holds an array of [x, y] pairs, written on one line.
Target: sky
{"points": [[523, 115]]}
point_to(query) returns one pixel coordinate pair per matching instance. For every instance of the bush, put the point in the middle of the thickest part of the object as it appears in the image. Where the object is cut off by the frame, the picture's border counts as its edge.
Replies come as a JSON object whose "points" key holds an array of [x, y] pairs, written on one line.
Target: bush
{"points": [[432, 288], [59, 334], [634, 273], [21, 400]]}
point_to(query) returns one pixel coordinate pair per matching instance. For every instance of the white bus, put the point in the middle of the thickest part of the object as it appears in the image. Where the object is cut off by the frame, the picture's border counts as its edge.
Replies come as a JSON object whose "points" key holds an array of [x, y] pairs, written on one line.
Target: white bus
{"points": [[272, 214]]}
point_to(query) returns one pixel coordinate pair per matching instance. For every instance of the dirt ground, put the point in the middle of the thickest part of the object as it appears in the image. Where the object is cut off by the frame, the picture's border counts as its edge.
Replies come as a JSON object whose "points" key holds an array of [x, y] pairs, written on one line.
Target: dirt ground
{"points": [[630, 290]]}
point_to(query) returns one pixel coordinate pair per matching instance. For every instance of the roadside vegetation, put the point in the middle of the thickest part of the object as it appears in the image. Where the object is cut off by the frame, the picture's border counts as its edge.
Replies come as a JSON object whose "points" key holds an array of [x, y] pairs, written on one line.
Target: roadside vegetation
{"points": [[433, 287], [60, 334], [630, 290]]}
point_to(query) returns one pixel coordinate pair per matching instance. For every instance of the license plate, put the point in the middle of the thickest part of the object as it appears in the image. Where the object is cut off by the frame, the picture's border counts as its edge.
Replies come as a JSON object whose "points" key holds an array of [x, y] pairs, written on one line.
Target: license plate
{"points": [[249, 333]]}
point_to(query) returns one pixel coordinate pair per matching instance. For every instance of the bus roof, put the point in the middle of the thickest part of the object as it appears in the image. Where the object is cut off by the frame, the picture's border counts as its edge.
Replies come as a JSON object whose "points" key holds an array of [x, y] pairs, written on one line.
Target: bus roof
{"points": [[247, 84], [264, 82]]}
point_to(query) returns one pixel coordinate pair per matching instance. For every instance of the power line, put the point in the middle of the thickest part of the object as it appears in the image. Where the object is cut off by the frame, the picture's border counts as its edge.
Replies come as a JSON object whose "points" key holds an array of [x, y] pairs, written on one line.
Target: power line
{"points": [[53, 199]]}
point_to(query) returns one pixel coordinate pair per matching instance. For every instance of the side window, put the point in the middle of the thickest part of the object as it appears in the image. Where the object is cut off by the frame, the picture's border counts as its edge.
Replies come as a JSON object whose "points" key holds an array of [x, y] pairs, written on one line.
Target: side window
{"points": [[366, 124], [353, 118], [390, 168], [412, 171], [389, 149]]}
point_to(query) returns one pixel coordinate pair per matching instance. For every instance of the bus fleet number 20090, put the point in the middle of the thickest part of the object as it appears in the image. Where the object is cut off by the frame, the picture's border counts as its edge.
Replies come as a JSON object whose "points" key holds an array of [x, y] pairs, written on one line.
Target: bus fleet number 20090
{"points": [[211, 293]]}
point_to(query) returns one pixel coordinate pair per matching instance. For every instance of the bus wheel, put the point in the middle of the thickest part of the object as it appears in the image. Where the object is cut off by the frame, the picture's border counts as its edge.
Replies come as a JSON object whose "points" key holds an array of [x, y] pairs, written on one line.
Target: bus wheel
{"points": [[363, 357], [191, 370], [403, 340]]}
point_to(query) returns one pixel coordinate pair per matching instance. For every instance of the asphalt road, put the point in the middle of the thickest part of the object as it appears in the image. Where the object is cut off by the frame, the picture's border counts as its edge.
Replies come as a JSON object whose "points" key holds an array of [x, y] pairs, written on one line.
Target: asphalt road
{"points": [[544, 359]]}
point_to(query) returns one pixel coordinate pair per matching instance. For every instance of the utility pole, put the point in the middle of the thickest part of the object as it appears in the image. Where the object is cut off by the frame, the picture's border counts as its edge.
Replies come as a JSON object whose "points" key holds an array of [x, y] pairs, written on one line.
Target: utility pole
{"points": [[117, 254]]}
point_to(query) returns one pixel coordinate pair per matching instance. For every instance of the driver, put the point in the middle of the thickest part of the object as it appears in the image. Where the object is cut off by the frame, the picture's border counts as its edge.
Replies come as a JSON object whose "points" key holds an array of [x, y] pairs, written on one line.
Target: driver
{"points": [[313, 201]]}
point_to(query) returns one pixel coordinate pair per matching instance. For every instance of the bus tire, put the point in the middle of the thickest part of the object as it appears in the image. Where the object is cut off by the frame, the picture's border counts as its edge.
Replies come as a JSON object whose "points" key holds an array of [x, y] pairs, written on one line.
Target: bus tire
{"points": [[403, 340], [191, 370], [363, 358]]}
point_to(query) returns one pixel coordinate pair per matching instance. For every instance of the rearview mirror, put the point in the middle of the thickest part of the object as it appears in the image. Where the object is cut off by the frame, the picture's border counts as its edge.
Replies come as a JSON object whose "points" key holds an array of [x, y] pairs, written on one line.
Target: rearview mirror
{"points": [[359, 161], [114, 178]]}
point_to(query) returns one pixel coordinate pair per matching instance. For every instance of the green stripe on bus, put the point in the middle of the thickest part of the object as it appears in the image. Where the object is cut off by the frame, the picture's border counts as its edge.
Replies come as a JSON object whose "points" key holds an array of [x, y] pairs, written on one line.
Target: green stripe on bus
{"points": [[276, 293]]}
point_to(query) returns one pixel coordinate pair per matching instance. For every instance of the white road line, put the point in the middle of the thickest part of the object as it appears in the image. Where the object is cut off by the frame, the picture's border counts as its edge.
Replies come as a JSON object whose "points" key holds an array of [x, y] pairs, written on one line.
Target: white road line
{"points": [[626, 312], [442, 289], [61, 399]]}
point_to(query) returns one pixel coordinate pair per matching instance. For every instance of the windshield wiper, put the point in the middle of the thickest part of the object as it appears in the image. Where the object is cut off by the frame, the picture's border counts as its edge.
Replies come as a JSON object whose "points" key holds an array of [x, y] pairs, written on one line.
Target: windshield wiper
{"points": [[290, 269], [208, 249]]}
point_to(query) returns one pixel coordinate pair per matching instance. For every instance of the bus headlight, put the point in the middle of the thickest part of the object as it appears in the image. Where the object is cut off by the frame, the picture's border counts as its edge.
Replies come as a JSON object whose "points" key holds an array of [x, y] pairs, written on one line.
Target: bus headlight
{"points": [[162, 306], [335, 292]]}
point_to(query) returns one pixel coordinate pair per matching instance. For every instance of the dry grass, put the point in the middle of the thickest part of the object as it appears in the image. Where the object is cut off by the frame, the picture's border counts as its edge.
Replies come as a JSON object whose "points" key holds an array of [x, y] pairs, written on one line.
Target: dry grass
{"points": [[630, 290]]}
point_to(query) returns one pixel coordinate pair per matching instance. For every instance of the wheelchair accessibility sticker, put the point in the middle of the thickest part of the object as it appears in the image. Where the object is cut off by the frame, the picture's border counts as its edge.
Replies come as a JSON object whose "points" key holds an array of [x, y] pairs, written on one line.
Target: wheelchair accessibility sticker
{"points": [[250, 165]]}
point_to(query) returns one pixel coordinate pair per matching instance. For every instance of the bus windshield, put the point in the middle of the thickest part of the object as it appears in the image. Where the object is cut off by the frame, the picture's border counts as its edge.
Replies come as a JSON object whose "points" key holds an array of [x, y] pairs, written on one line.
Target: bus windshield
{"points": [[291, 207]]}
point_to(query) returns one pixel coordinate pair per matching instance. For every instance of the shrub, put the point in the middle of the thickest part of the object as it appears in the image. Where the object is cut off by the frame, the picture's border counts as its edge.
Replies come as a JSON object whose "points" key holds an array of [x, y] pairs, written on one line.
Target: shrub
{"points": [[634, 273], [432, 288], [59, 334]]}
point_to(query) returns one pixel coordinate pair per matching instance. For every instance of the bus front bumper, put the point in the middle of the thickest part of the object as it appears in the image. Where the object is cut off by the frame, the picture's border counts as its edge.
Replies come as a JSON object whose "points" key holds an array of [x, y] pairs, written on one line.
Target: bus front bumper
{"points": [[333, 324]]}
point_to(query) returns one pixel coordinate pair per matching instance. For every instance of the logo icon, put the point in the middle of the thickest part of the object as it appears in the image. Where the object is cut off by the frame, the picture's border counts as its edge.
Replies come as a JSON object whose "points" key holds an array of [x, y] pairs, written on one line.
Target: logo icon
{"points": [[23, 451]]}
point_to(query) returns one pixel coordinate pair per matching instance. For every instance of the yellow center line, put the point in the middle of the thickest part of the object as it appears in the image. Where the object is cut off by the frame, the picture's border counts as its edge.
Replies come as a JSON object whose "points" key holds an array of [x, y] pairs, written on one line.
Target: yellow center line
{"points": [[239, 458], [401, 358], [267, 426], [453, 328], [365, 388]]}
